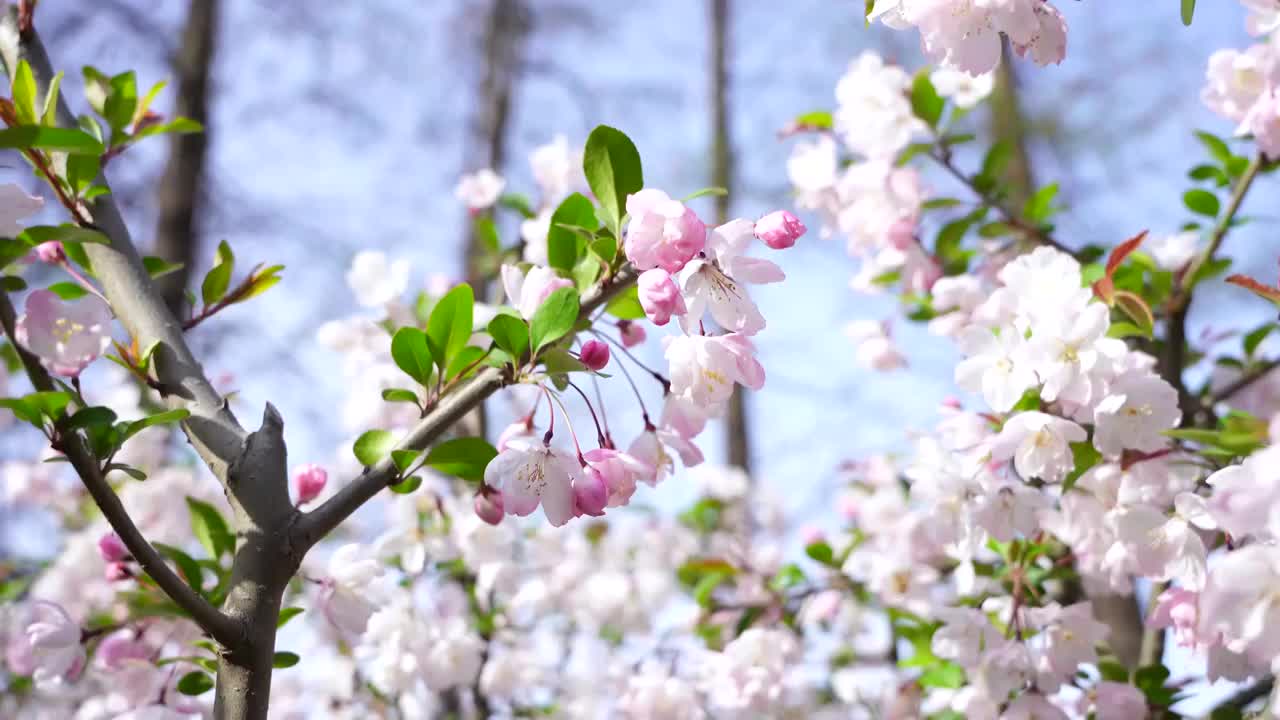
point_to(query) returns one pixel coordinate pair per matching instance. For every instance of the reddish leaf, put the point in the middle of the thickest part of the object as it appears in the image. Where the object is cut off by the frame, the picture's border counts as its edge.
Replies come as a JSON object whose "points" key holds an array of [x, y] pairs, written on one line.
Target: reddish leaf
{"points": [[1105, 291], [1264, 291], [1122, 251], [1137, 310]]}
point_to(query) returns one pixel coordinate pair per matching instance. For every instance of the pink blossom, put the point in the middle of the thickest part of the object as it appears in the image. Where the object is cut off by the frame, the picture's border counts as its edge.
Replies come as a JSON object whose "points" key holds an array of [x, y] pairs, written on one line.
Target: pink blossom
{"points": [[1178, 608], [619, 471], [1263, 122], [1119, 701], [518, 429], [530, 474], [50, 252], [120, 647], [779, 229], [15, 205], [308, 482], [704, 369], [116, 571], [632, 333], [488, 505], [66, 336], [659, 296], [112, 548], [527, 292], [662, 232], [594, 354]]}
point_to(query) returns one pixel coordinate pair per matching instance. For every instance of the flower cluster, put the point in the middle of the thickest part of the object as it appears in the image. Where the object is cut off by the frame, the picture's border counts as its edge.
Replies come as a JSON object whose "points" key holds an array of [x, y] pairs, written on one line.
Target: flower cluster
{"points": [[966, 34]]}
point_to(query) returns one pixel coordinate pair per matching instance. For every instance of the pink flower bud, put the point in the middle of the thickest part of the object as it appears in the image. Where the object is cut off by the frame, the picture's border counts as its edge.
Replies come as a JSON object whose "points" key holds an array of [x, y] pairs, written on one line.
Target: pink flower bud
{"points": [[488, 505], [112, 548], [659, 296], [116, 572], [308, 482], [811, 535], [594, 354], [780, 229], [632, 333], [51, 252], [591, 494], [848, 506], [902, 234]]}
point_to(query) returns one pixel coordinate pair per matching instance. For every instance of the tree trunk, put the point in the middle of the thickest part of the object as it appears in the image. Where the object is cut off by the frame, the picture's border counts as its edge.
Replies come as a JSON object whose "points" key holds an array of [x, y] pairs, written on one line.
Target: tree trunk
{"points": [[181, 191], [737, 432]]}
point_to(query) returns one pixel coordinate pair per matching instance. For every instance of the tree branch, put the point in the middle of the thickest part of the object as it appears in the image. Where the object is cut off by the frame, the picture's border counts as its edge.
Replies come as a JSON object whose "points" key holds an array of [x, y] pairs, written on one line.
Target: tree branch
{"points": [[1245, 380], [319, 522], [219, 626], [212, 429], [1223, 226]]}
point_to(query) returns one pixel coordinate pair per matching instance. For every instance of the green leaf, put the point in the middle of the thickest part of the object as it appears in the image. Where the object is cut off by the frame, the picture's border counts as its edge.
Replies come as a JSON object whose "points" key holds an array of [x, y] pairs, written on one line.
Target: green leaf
{"points": [[586, 272], [626, 305], [406, 486], [1255, 337], [11, 251], [195, 683], [400, 395], [1216, 146], [24, 94], [467, 359], [558, 361], [54, 139], [284, 660], [817, 119], [997, 160], [606, 248], [122, 101], [210, 529], [464, 457], [404, 459], [1201, 202], [215, 284], [49, 114], [49, 404], [555, 317], [187, 565], [288, 614], [943, 675], [159, 267], [89, 417], [12, 283], [1113, 671], [68, 290], [612, 166], [1039, 207], [519, 203], [564, 246], [38, 234], [707, 585], [788, 576], [372, 446], [163, 418], [926, 103], [411, 354], [1084, 456], [1188, 11], [510, 334], [821, 552], [449, 327], [703, 192], [487, 231]]}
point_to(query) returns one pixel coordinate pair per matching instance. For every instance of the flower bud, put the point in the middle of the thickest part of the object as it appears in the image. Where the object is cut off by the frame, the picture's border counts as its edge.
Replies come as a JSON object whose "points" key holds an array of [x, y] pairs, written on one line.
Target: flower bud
{"points": [[308, 482], [659, 296], [112, 548], [594, 355], [488, 505], [116, 572], [632, 333], [780, 229], [591, 494], [51, 252]]}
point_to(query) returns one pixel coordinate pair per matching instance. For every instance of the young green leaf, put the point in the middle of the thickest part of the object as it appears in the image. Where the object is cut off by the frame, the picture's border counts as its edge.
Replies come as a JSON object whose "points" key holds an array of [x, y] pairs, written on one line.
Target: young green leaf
{"points": [[284, 660], [1201, 202], [554, 318], [122, 101], [926, 103], [24, 94], [288, 614], [210, 529], [159, 267], [510, 334], [55, 139], [406, 486], [410, 352], [450, 324], [612, 166], [626, 305], [187, 565], [195, 683], [218, 280], [464, 457], [372, 446], [1188, 11], [163, 418], [564, 246]]}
